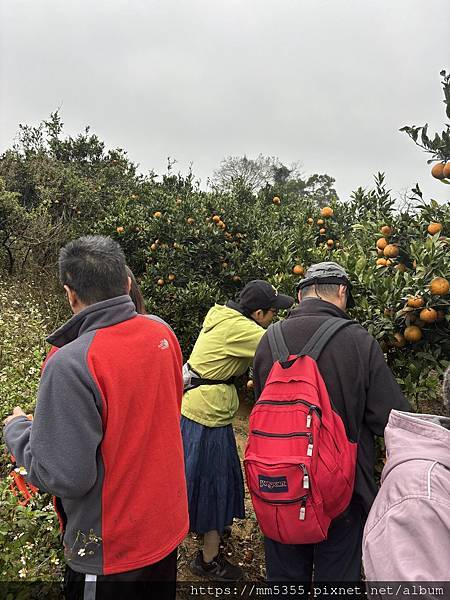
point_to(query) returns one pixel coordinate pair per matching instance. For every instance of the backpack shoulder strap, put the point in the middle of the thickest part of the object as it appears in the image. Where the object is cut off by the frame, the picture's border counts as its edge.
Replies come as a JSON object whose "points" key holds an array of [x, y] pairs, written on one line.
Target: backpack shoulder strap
{"points": [[280, 351], [323, 335]]}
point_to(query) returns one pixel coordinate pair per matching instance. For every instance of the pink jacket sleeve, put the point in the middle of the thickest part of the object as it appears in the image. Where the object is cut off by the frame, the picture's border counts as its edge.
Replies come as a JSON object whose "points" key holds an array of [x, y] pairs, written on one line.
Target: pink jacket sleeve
{"points": [[410, 542]]}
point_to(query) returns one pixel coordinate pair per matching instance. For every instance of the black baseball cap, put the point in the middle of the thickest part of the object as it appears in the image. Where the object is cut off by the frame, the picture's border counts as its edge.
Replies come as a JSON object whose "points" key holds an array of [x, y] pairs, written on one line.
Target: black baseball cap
{"points": [[327, 272], [259, 294]]}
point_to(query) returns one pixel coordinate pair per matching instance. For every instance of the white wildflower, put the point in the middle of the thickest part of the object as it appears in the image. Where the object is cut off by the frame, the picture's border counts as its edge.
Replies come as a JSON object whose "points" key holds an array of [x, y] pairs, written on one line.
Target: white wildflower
{"points": [[22, 573], [81, 552], [21, 470]]}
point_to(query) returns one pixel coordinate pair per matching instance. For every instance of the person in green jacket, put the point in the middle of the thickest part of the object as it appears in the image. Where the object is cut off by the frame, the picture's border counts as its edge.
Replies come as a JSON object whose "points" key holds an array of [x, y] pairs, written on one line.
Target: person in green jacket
{"points": [[224, 349]]}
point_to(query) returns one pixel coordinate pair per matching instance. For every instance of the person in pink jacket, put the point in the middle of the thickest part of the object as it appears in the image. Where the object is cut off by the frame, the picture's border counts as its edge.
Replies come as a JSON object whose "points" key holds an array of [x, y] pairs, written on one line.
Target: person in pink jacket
{"points": [[407, 533]]}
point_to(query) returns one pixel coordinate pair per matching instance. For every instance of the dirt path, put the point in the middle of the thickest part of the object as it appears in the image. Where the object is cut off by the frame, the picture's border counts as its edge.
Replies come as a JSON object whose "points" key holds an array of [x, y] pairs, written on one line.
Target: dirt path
{"points": [[245, 546]]}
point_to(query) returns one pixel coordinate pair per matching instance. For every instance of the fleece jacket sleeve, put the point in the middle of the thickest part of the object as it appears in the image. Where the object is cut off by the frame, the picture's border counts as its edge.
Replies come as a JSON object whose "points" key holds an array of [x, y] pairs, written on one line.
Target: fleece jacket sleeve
{"points": [[58, 449], [383, 393]]}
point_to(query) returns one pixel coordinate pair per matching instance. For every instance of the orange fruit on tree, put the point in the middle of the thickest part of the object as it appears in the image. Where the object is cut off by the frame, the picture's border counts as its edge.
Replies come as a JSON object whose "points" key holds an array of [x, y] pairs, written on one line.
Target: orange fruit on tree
{"points": [[399, 340], [391, 250], [190, 221], [320, 221], [386, 230], [153, 247], [298, 270], [120, 229], [415, 301], [330, 243], [434, 228], [250, 384], [438, 170], [447, 170], [276, 200], [429, 315], [160, 281], [236, 278], [382, 243], [157, 214], [327, 211], [322, 231], [310, 221], [216, 218], [171, 277], [400, 267], [413, 333], [381, 262], [439, 286]]}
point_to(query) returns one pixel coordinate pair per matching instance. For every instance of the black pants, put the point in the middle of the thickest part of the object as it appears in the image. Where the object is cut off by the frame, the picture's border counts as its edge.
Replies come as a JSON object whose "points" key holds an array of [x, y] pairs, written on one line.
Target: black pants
{"points": [[336, 559], [156, 581]]}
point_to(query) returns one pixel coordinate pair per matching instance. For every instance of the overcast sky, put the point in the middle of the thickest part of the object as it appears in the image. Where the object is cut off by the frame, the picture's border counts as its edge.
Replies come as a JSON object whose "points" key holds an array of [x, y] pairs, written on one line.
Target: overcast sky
{"points": [[327, 83]]}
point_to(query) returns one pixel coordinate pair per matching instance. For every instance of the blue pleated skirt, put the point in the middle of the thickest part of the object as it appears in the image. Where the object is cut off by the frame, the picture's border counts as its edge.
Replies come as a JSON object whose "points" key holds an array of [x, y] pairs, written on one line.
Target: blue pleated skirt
{"points": [[213, 475]]}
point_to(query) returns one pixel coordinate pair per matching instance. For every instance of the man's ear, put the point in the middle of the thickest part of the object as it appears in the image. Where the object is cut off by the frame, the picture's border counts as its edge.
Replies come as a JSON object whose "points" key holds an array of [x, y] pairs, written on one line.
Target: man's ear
{"points": [[128, 285], [72, 298], [256, 315], [342, 294]]}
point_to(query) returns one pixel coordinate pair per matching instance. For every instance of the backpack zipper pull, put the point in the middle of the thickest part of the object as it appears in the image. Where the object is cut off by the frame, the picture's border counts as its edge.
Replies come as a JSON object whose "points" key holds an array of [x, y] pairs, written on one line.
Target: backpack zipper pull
{"points": [[306, 481], [308, 421], [310, 446], [302, 515], [305, 477]]}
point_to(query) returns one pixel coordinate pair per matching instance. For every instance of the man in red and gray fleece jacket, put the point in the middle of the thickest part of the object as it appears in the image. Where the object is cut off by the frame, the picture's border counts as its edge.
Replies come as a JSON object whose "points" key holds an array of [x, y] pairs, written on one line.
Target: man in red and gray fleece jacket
{"points": [[106, 439]]}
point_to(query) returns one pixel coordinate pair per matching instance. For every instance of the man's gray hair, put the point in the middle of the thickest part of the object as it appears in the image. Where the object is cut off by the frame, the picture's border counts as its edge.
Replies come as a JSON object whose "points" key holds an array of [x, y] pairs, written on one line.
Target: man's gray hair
{"points": [[94, 267], [321, 289]]}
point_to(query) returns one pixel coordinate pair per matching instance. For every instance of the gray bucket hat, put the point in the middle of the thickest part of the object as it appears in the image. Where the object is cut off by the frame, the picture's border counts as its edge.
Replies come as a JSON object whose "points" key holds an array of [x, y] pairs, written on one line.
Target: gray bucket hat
{"points": [[327, 272]]}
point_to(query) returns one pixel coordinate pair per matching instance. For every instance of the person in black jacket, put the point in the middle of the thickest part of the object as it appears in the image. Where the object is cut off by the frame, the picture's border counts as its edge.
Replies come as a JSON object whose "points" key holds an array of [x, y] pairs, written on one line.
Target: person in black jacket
{"points": [[363, 391]]}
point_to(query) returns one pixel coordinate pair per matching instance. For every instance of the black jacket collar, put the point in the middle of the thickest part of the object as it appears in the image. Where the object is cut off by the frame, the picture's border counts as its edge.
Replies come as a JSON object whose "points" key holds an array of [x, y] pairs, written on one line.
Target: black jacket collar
{"points": [[315, 307]]}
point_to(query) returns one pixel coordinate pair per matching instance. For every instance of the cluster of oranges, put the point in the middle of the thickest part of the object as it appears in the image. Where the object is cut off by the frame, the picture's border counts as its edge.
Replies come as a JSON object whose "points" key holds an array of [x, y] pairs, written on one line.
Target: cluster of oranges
{"points": [[415, 320], [171, 277], [218, 221], [441, 170], [439, 286], [326, 212], [387, 251]]}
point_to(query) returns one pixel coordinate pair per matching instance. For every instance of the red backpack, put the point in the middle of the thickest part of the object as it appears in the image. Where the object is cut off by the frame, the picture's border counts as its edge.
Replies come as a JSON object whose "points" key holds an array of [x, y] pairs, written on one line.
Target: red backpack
{"points": [[299, 464]]}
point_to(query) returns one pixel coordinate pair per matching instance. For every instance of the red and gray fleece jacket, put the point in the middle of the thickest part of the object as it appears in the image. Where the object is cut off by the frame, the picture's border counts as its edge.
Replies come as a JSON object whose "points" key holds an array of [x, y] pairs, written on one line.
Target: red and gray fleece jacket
{"points": [[106, 438]]}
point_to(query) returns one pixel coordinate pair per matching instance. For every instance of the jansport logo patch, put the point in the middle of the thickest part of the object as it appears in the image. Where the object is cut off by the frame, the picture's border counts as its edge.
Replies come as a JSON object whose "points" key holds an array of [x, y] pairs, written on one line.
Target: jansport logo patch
{"points": [[163, 344], [276, 485]]}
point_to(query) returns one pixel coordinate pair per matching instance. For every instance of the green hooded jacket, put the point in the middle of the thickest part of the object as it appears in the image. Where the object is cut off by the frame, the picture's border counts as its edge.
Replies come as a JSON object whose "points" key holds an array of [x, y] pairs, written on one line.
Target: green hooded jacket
{"points": [[225, 348]]}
